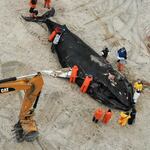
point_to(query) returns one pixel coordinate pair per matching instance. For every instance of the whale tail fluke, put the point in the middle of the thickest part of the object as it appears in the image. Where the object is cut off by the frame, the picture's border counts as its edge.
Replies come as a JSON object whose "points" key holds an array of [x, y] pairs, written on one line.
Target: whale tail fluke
{"points": [[41, 18]]}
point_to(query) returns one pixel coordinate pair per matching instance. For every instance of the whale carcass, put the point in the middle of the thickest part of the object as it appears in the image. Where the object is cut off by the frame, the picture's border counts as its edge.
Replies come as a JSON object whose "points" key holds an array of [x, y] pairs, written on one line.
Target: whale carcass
{"points": [[71, 50]]}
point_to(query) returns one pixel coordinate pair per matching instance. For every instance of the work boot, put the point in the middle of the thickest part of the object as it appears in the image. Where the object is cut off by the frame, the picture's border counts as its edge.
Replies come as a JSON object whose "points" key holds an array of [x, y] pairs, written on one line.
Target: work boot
{"points": [[48, 6], [45, 5]]}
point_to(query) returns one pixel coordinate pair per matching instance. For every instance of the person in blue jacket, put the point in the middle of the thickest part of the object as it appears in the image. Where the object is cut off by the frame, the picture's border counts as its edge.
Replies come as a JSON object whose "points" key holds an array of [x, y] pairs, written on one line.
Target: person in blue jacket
{"points": [[122, 56]]}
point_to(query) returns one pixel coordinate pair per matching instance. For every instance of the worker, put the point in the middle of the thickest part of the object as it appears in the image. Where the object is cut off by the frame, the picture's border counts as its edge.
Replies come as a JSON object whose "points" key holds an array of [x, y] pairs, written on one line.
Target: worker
{"points": [[107, 116], [74, 74], [86, 83], [124, 116], [47, 4], [133, 115], [138, 87], [122, 56], [105, 52], [32, 9], [57, 30], [97, 115]]}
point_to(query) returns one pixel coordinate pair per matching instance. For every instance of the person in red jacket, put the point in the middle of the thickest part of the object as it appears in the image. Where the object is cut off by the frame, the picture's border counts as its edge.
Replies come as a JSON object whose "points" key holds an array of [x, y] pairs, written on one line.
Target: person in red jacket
{"points": [[107, 116], [47, 4], [32, 9], [97, 115], [86, 83], [74, 74]]}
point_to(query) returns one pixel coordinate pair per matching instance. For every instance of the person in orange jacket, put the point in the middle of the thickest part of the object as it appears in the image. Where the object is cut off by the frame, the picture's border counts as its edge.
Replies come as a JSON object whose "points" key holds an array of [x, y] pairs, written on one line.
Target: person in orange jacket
{"points": [[121, 65], [107, 116], [97, 115], [57, 30], [86, 83], [32, 9], [47, 4], [74, 74]]}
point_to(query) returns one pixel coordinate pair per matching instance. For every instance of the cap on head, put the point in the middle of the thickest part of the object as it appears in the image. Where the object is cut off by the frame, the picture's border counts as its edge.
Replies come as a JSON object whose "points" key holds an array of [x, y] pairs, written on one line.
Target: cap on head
{"points": [[106, 49], [139, 81], [109, 110]]}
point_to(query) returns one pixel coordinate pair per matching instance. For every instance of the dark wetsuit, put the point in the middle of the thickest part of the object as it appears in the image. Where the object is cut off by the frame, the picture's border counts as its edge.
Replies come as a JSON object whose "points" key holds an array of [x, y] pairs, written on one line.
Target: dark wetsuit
{"points": [[32, 7], [105, 53], [132, 119]]}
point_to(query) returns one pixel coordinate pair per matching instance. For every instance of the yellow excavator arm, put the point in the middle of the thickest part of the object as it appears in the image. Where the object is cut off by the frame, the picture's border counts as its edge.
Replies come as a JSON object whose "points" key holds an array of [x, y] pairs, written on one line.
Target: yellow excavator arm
{"points": [[25, 128]]}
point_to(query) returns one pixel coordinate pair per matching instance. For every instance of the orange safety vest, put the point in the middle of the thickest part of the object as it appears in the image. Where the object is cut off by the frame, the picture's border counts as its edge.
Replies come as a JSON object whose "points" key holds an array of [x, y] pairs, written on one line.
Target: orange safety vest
{"points": [[107, 117], [120, 66], [98, 114], [86, 84], [53, 34], [33, 3], [74, 73]]}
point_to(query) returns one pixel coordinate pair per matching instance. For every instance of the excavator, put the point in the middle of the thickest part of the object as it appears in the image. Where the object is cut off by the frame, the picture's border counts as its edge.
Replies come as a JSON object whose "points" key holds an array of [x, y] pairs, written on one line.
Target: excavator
{"points": [[26, 128]]}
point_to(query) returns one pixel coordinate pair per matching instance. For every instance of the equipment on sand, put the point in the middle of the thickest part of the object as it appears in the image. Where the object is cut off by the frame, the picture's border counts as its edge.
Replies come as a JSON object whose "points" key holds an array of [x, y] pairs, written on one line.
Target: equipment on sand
{"points": [[25, 128]]}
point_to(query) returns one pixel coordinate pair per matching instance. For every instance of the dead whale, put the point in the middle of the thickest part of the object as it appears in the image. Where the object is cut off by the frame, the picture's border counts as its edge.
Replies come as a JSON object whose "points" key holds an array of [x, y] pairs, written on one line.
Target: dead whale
{"points": [[71, 50]]}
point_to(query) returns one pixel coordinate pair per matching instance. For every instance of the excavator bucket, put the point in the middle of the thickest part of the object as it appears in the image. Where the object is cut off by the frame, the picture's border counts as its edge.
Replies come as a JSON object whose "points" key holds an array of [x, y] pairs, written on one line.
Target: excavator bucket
{"points": [[30, 137], [21, 135]]}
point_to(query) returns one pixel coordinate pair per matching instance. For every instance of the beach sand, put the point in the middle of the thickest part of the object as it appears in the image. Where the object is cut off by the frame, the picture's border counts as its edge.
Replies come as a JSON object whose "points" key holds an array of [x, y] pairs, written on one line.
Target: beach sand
{"points": [[64, 115]]}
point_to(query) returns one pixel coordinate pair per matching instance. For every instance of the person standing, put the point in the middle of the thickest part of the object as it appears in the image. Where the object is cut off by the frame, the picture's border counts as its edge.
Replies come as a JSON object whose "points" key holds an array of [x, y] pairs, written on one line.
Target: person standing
{"points": [[74, 74], [86, 83], [47, 4], [107, 116], [138, 87], [97, 115], [105, 52], [33, 11], [124, 116], [122, 56], [133, 116]]}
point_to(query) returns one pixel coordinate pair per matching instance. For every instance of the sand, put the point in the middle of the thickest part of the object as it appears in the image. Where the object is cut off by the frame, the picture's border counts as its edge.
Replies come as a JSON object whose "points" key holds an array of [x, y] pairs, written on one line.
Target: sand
{"points": [[64, 114]]}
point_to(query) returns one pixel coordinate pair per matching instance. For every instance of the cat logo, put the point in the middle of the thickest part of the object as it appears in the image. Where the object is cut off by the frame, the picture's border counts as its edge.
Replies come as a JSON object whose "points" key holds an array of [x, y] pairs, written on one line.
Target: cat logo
{"points": [[5, 90]]}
